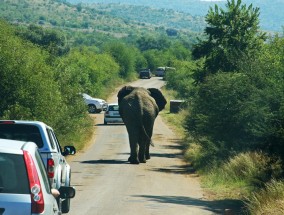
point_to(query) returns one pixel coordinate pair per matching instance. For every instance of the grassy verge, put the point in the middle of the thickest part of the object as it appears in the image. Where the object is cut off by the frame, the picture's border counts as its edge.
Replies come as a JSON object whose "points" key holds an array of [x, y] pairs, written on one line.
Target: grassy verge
{"points": [[243, 182]]}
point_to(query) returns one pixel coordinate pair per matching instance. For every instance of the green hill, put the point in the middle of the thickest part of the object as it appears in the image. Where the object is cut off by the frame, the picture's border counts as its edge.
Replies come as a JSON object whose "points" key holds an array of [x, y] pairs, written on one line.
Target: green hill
{"points": [[271, 12], [100, 22]]}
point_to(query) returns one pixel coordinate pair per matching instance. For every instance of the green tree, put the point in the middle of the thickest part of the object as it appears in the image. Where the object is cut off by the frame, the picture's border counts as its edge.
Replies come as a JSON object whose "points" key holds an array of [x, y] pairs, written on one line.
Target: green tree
{"points": [[150, 42], [233, 35], [51, 40], [86, 72], [27, 82], [124, 55]]}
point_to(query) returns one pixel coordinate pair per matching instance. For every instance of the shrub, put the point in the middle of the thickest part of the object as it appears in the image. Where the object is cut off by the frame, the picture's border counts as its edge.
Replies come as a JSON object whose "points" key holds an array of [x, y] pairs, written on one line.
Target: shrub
{"points": [[254, 167], [269, 200]]}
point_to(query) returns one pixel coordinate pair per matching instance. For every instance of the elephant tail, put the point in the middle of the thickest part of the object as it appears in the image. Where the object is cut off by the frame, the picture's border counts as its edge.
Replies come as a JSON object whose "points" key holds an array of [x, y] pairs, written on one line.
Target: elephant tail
{"points": [[147, 136]]}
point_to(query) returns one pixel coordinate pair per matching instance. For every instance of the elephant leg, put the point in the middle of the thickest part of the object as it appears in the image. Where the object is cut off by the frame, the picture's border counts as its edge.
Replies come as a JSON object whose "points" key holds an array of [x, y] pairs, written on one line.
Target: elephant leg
{"points": [[147, 152], [133, 159], [142, 149]]}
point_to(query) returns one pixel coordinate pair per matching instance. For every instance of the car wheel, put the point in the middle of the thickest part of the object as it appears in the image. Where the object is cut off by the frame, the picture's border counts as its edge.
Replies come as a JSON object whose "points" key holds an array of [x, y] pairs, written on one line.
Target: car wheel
{"points": [[92, 109], [65, 207], [105, 122]]}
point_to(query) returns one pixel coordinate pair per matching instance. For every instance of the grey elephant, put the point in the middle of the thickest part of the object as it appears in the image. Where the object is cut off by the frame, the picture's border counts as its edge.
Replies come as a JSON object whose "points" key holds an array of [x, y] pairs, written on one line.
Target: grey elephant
{"points": [[139, 108]]}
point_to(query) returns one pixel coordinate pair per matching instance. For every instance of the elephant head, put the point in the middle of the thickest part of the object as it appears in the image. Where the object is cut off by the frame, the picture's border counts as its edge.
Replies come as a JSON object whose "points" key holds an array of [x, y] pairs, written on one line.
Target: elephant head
{"points": [[139, 108]]}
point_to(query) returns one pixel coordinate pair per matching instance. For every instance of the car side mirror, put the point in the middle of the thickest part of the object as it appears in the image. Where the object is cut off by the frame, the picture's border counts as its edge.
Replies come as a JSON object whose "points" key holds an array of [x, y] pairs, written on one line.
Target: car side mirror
{"points": [[66, 192], [69, 150]]}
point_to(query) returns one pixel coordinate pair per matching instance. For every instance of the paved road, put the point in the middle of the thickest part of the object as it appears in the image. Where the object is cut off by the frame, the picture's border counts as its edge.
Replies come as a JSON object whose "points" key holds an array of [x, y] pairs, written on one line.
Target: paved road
{"points": [[107, 184]]}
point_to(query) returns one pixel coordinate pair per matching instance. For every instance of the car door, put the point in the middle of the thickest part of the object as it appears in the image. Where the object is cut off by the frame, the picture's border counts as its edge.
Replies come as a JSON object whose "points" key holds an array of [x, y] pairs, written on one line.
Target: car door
{"points": [[57, 157], [62, 161]]}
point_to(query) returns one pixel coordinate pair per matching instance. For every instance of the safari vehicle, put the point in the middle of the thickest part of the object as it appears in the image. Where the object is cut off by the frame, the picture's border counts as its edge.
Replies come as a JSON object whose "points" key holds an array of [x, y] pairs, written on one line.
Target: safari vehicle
{"points": [[58, 170], [145, 73], [161, 71], [24, 186]]}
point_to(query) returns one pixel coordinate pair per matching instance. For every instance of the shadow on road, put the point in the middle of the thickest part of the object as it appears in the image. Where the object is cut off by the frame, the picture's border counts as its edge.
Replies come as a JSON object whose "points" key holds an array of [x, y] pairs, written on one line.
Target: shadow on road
{"points": [[104, 162], [217, 206]]}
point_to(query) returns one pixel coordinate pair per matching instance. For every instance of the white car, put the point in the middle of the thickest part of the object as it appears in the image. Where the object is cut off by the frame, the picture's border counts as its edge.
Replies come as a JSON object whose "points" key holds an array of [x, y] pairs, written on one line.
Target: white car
{"points": [[95, 105], [112, 114], [24, 185]]}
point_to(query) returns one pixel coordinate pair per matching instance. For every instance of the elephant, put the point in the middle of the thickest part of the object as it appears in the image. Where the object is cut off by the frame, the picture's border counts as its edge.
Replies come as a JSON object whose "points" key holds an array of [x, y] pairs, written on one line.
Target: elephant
{"points": [[139, 108]]}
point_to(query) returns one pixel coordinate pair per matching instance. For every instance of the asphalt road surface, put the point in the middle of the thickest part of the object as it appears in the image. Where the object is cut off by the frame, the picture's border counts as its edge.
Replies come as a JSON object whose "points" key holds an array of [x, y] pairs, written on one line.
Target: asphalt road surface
{"points": [[107, 184]]}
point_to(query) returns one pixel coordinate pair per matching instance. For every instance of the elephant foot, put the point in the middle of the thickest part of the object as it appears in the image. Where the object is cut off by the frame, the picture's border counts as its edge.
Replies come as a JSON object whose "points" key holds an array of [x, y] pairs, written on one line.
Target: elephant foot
{"points": [[133, 161], [142, 160]]}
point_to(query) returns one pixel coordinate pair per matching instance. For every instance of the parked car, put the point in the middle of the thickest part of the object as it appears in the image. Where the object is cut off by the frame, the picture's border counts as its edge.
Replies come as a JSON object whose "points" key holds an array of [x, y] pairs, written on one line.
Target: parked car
{"points": [[112, 114], [24, 185], [58, 170], [95, 105], [145, 73]]}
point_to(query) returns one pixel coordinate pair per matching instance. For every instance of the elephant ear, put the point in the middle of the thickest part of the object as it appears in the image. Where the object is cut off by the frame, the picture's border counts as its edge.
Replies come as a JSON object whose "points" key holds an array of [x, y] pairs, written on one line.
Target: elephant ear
{"points": [[124, 91], [159, 97]]}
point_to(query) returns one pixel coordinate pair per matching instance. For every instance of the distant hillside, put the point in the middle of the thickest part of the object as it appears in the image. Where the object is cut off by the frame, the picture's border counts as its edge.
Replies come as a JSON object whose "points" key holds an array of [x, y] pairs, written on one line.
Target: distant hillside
{"points": [[271, 12], [101, 21]]}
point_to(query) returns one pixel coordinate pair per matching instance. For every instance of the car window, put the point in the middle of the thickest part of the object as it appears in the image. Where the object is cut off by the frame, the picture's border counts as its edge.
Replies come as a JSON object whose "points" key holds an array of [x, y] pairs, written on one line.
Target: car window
{"points": [[51, 138], [21, 132], [13, 174], [113, 108], [43, 172], [56, 141]]}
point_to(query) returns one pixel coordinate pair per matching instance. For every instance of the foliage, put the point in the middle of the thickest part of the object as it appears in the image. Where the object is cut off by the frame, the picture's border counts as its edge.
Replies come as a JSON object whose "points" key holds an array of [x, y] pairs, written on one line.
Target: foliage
{"points": [[97, 23], [232, 34], [181, 79], [146, 43], [241, 175], [23, 67], [29, 90], [256, 168], [50, 40], [124, 56], [87, 72], [268, 200]]}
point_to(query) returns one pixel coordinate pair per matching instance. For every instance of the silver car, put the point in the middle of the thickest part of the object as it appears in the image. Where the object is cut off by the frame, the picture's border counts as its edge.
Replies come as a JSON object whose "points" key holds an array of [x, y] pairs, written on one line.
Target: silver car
{"points": [[112, 115], [95, 105], [24, 185]]}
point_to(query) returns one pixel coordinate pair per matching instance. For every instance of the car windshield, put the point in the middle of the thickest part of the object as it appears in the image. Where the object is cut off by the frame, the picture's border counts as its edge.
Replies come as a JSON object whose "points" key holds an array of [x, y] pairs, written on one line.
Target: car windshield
{"points": [[21, 132], [86, 96]]}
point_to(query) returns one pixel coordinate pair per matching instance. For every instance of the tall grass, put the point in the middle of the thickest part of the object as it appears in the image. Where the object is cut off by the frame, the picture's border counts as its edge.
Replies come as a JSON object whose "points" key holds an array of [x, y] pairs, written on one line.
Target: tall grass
{"points": [[269, 200], [242, 174]]}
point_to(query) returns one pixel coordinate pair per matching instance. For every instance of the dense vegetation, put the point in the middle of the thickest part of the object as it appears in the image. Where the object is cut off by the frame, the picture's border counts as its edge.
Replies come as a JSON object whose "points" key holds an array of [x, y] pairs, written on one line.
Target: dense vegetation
{"points": [[231, 80], [235, 116]]}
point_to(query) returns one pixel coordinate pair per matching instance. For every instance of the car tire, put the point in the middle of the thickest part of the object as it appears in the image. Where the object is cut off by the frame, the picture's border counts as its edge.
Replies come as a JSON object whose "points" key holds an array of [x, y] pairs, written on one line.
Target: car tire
{"points": [[105, 122], [65, 207], [92, 108]]}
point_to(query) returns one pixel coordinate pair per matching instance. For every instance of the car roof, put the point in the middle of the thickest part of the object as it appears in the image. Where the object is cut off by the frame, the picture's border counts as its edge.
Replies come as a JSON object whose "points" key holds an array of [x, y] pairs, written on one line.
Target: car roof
{"points": [[112, 104], [24, 122], [13, 146]]}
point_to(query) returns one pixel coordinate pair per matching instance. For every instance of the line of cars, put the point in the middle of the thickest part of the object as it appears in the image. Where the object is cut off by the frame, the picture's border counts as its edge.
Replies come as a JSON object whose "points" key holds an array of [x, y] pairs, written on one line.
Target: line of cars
{"points": [[33, 169], [35, 177]]}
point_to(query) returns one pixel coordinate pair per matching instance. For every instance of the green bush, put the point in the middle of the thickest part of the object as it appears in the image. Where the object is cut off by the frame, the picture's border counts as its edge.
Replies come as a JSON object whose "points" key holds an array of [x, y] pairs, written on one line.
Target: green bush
{"points": [[256, 168], [269, 200]]}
